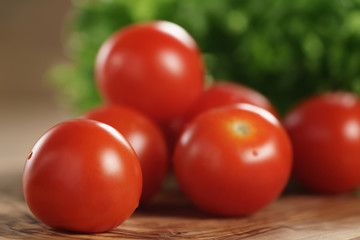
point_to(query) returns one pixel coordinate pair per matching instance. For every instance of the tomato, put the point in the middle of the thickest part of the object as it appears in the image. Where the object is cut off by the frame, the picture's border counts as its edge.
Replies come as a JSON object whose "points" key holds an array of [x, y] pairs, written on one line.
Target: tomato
{"points": [[146, 139], [153, 67], [219, 94], [82, 176], [234, 160], [226, 93], [325, 132]]}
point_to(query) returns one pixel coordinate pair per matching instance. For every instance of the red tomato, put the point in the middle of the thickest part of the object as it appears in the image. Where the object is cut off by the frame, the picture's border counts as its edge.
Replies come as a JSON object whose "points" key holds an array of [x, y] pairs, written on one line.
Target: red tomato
{"points": [[233, 160], [82, 176], [325, 132], [226, 93], [218, 95], [146, 139], [155, 68]]}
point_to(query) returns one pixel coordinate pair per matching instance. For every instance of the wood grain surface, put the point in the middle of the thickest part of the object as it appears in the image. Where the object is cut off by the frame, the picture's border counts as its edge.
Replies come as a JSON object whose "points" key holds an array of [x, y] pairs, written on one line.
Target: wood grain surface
{"points": [[171, 216]]}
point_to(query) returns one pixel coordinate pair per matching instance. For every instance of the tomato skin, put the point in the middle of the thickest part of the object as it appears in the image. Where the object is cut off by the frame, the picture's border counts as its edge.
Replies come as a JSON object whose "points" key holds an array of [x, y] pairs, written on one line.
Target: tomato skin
{"points": [[82, 176], [219, 94], [325, 132], [227, 93], [226, 173], [146, 139], [153, 67]]}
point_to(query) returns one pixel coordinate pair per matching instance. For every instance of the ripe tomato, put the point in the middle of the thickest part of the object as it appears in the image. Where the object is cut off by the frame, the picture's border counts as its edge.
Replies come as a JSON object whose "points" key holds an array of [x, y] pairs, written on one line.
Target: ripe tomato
{"points": [[218, 95], [233, 160], [325, 132], [82, 176], [146, 139], [155, 68], [226, 93]]}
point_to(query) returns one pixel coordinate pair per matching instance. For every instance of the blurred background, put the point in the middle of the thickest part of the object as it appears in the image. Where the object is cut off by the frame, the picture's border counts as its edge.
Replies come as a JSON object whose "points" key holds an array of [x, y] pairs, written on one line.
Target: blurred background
{"points": [[285, 49], [30, 42]]}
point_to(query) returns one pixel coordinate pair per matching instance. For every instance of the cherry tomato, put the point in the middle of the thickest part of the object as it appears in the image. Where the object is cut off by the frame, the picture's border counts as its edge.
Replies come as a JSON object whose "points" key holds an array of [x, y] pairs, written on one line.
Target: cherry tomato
{"points": [[146, 139], [325, 132], [82, 176], [218, 95], [154, 67], [233, 160], [226, 93]]}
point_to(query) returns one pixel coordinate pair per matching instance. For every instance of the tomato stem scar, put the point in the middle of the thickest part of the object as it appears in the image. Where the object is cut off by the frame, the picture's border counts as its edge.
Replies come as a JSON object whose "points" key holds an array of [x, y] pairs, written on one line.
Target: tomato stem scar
{"points": [[241, 128]]}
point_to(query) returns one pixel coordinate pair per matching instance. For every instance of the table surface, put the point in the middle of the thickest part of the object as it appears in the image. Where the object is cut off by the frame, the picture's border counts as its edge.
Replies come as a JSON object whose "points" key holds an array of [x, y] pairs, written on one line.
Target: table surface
{"points": [[171, 216]]}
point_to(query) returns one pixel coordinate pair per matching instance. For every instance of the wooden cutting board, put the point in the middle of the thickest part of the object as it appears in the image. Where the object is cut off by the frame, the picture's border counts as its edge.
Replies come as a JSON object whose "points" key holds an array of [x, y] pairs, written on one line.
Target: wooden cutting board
{"points": [[171, 216]]}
